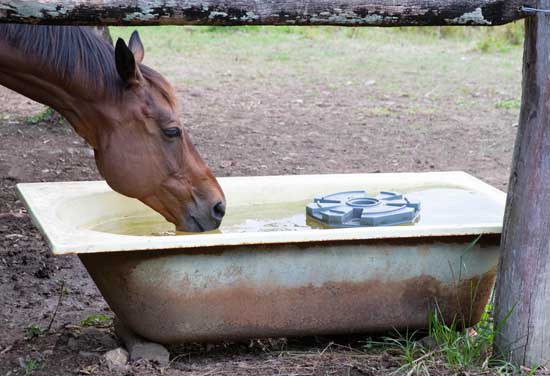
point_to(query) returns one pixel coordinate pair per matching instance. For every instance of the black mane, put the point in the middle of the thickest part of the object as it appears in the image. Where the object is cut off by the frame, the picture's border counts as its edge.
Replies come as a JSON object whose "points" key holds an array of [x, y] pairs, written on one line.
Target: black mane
{"points": [[76, 54], [67, 51]]}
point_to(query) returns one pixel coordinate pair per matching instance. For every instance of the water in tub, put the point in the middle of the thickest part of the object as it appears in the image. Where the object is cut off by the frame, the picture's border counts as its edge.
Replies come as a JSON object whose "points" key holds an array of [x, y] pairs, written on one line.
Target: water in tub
{"points": [[442, 206]]}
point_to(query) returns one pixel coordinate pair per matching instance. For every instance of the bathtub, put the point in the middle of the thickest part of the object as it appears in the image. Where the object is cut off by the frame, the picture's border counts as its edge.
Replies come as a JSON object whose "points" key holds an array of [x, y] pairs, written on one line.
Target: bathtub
{"points": [[269, 272]]}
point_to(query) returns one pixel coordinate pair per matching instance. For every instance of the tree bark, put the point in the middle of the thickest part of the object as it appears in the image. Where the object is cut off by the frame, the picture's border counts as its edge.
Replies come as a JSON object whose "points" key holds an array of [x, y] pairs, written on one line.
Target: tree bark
{"points": [[263, 12], [522, 300]]}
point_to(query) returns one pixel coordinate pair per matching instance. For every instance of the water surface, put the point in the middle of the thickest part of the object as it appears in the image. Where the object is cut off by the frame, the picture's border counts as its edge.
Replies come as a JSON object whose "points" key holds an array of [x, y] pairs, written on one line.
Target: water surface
{"points": [[440, 206]]}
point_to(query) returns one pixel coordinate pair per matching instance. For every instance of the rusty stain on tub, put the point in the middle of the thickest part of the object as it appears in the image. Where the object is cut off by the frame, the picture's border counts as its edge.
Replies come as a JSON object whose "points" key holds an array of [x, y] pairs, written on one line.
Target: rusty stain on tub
{"points": [[172, 308]]}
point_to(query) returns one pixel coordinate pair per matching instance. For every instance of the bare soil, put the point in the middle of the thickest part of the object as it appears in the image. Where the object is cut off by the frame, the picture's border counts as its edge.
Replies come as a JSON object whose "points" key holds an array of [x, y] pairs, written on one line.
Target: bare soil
{"points": [[248, 120]]}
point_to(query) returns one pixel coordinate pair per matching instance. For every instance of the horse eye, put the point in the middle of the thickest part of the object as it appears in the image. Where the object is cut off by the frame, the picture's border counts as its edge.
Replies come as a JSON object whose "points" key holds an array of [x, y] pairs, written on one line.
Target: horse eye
{"points": [[172, 132]]}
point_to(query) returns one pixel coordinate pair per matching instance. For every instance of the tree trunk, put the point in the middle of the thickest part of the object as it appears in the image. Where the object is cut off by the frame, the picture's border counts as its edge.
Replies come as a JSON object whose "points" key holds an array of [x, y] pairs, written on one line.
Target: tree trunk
{"points": [[522, 305], [263, 12]]}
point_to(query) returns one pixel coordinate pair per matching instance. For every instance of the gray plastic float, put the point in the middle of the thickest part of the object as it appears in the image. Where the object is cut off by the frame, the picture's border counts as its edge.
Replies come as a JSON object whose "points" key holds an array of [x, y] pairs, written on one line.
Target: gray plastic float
{"points": [[357, 208]]}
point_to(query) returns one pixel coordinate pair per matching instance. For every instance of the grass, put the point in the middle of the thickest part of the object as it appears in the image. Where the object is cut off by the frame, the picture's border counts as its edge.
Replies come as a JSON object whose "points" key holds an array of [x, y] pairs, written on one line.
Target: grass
{"points": [[467, 351], [48, 115], [483, 39], [33, 331], [462, 347], [41, 117], [452, 345], [30, 365], [426, 65], [410, 351], [509, 104], [96, 320]]}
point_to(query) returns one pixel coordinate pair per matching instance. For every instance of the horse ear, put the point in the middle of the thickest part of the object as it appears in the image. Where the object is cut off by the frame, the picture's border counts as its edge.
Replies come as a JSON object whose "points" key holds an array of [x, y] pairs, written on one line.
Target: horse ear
{"points": [[136, 46], [126, 63]]}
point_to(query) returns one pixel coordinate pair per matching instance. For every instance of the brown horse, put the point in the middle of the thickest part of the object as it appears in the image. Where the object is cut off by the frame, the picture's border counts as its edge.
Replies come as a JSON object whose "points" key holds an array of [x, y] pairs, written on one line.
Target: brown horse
{"points": [[125, 110]]}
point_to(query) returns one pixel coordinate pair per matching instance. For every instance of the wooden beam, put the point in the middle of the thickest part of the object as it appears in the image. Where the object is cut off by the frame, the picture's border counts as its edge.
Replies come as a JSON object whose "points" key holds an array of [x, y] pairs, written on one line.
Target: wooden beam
{"points": [[263, 12], [522, 300]]}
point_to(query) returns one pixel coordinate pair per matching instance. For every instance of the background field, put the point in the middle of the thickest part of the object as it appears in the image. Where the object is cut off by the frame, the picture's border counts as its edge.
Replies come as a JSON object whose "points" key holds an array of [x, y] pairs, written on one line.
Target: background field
{"points": [[260, 101]]}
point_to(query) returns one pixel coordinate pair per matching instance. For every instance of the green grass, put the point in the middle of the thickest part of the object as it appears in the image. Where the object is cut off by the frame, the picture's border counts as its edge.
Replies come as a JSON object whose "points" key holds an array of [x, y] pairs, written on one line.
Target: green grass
{"points": [[48, 115], [410, 351], [30, 365], [32, 331], [441, 64], [460, 347], [41, 117], [97, 320], [509, 104], [483, 39], [451, 344], [195, 39]]}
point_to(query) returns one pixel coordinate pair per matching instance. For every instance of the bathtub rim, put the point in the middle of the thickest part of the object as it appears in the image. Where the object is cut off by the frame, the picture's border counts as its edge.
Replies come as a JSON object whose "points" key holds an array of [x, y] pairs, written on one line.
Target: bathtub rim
{"points": [[40, 199]]}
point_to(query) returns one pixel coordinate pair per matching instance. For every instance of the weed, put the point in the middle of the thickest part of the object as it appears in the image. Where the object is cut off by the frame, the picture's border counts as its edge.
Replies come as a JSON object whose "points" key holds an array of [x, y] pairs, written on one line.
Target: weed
{"points": [[451, 343], [48, 115], [462, 348], [406, 345], [33, 331], [469, 349], [96, 320], [30, 365]]}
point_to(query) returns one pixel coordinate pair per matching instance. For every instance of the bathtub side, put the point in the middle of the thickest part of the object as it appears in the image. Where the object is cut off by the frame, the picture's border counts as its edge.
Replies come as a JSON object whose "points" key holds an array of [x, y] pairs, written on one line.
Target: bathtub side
{"points": [[367, 286]]}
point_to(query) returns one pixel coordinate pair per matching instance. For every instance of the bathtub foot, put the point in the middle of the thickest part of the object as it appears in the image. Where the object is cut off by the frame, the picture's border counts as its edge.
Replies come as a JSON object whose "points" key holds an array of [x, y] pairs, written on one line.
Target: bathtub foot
{"points": [[140, 348]]}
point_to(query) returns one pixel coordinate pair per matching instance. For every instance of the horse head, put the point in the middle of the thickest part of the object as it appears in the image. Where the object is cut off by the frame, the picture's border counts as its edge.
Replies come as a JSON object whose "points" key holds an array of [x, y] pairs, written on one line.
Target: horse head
{"points": [[145, 152]]}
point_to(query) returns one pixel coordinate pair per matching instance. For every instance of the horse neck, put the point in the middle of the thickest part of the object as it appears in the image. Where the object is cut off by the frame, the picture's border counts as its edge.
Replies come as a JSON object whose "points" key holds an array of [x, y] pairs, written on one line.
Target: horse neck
{"points": [[22, 74]]}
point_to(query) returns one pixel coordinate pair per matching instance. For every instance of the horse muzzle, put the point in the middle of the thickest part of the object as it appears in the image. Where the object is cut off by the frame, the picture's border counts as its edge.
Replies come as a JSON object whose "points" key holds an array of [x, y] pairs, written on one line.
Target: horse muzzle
{"points": [[207, 219]]}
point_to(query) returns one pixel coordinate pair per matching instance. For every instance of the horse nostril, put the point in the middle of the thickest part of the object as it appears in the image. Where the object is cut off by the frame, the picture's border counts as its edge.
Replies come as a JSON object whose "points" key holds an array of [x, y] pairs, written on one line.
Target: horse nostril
{"points": [[218, 211]]}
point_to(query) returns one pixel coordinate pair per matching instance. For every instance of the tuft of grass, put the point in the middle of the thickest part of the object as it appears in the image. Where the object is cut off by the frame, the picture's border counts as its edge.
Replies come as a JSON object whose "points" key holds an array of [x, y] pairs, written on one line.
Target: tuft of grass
{"points": [[467, 348], [96, 320], [408, 348], [452, 344], [30, 365], [33, 331], [509, 104], [40, 117], [501, 39], [48, 115]]}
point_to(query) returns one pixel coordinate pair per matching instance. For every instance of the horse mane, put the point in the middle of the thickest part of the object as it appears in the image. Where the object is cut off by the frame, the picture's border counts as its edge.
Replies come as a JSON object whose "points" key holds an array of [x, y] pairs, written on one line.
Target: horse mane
{"points": [[76, 54]]}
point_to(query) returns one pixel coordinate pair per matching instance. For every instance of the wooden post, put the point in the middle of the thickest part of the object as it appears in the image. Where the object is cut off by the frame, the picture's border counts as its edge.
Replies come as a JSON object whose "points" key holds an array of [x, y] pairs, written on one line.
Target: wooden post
{"points": [[522, 304], [263, 12]]}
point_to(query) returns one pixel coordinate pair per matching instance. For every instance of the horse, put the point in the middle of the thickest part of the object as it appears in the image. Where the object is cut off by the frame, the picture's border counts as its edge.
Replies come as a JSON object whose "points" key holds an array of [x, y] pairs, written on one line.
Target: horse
{"points": [[127, 112]]}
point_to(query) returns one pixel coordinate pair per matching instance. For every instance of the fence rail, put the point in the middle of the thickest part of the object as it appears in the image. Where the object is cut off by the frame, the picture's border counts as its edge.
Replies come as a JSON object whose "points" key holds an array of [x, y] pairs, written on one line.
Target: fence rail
{"points": [[263, 12]]}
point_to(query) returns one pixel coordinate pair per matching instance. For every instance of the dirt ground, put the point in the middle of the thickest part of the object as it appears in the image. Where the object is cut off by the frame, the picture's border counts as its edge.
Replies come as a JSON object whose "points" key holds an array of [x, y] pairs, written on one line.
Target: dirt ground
{"points": [[294, 105]]}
